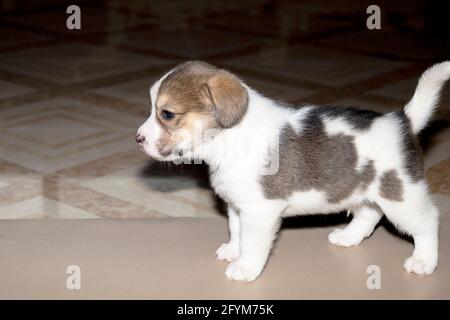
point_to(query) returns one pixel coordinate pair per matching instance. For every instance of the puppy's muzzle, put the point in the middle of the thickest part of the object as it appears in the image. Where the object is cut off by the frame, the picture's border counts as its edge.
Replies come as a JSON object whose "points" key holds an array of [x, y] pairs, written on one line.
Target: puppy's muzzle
{"points": [[140, 139]]}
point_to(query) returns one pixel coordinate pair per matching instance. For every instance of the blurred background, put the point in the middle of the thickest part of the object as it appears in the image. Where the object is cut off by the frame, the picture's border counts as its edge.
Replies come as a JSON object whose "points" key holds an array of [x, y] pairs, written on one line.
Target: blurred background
{"points": [[71, 100]]}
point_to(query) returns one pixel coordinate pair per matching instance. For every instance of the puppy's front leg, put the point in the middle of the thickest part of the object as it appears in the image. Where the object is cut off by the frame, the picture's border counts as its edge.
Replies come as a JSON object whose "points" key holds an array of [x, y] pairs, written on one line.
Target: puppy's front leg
{"points": [[230, 251], [258, 229]]}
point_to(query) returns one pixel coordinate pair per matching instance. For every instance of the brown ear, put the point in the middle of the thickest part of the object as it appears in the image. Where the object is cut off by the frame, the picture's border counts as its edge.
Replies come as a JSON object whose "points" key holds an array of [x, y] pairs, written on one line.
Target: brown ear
{"points": [[227, 96]]}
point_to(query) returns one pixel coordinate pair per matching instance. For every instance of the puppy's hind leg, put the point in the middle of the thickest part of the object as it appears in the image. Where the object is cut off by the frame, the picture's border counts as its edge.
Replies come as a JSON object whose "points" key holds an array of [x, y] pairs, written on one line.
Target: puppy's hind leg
{"points": [[365, 219], [417, 216]]}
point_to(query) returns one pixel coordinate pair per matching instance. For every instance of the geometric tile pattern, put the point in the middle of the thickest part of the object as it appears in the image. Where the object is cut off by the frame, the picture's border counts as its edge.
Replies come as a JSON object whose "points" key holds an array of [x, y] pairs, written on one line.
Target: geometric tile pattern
{"points": [[172, 196], [3, 184], [13, 39], [405, 45], [8, 89], [135, 91], [41, 207], [75, 62], [325, 67], [437, 175], [55, 134], [288, 24], [443, 203], [403, 90], [17, 184], [70, 101], [438, 149], [93, 20], [188, 44]]}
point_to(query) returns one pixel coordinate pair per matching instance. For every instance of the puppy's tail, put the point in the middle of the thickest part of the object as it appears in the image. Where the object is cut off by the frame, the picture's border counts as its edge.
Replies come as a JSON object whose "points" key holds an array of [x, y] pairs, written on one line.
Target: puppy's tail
{"points": [[426, 97]]}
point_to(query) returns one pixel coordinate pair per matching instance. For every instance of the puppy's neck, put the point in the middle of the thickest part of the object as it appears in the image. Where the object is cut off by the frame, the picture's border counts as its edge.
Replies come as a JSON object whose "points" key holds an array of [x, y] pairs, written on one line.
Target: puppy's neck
{"points": [[249, 140]]}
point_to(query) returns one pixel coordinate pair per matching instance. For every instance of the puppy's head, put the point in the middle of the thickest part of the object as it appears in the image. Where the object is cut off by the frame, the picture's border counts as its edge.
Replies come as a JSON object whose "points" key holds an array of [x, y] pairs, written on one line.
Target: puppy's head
{"points": [[191, 97]]}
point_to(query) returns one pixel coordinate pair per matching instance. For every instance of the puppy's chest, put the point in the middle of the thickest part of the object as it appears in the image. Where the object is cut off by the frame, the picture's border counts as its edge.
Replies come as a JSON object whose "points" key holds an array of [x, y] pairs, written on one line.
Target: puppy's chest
{"points": [[235, 186]]}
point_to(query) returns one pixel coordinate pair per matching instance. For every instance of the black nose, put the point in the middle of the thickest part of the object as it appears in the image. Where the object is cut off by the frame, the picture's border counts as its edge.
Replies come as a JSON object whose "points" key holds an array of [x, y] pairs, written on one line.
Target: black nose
{"points": [[139, 139]]}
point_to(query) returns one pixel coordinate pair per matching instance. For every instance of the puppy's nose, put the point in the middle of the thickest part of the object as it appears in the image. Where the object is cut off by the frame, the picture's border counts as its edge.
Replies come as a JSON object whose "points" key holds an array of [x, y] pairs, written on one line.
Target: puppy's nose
{"points": [[140, 139]]}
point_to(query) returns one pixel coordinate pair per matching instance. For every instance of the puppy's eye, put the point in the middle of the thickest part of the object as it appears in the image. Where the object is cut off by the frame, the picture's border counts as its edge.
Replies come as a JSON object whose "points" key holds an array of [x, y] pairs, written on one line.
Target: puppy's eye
{"points": [[167, 115]]}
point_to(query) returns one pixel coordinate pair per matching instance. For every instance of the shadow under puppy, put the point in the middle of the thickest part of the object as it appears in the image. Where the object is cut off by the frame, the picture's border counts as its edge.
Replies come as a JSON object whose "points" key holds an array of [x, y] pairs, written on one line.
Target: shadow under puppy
{"points": [[269, 161]]}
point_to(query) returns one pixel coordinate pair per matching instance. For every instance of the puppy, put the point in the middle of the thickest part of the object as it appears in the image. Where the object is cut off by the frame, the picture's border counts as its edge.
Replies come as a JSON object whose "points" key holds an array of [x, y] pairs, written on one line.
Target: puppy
{"points": [[269, 161]]}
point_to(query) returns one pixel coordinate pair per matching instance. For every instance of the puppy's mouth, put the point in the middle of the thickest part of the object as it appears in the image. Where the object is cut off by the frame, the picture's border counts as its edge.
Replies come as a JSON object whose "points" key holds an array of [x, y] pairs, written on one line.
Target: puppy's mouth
{"points": [[167, 154], [172, 152]]}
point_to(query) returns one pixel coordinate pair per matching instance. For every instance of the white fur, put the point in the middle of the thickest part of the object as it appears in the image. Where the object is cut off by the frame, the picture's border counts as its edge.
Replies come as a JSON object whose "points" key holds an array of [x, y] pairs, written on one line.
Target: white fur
{"points": [[230, 251], [150, 128], [237, 155], [365, 218], [421, 107]]}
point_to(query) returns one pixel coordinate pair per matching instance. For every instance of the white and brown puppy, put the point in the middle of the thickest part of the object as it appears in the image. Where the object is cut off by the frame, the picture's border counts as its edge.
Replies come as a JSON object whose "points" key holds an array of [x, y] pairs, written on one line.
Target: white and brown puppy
{"points": [[330, 160]]}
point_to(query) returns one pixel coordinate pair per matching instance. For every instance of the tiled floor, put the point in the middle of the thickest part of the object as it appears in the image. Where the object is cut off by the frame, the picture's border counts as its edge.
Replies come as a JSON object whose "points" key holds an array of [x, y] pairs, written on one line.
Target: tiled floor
{"points": [[70, 101], [77, 62], [327, 67]]}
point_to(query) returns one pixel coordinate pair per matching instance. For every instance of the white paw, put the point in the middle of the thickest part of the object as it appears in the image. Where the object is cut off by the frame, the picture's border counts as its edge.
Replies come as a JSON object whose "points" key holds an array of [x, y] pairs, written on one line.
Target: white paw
{"points": [[418, 265], [228, 252], [240, 271], [344, 238]]}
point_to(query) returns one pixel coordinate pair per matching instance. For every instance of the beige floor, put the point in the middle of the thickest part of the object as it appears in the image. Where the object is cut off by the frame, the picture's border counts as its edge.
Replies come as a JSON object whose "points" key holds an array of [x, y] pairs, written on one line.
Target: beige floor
{"points": [[173, 259]]}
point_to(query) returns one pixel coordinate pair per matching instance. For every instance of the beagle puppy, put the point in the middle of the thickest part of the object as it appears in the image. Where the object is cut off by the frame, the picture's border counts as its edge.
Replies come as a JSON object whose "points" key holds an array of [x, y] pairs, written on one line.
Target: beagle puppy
{"points": [[269, 161]]}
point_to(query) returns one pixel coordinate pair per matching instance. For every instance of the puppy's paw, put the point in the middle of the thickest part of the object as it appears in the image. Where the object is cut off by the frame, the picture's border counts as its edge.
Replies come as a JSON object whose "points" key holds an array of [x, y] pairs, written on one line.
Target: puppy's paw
{"points": [[240, 271], [228, 252], [419, 265], [344, 238]]}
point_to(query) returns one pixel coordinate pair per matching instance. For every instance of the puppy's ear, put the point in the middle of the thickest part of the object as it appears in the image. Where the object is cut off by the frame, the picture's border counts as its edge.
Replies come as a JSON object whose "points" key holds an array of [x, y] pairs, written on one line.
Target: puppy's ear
{"points": [[228, 97]]}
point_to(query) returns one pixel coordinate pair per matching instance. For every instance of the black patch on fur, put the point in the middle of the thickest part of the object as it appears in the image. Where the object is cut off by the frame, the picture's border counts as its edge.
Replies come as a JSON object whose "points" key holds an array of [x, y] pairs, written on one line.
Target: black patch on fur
{"points": [[359, 119], [411, 150]]}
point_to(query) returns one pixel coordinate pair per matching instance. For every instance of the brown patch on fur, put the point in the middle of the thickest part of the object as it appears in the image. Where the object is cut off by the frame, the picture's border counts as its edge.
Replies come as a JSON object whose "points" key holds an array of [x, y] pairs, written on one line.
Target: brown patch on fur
{"points": [[161, 101], [197, 91], [391, 186], [314, 160], [199, 87], [184, 131], [228, 97], [181, 88]]}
